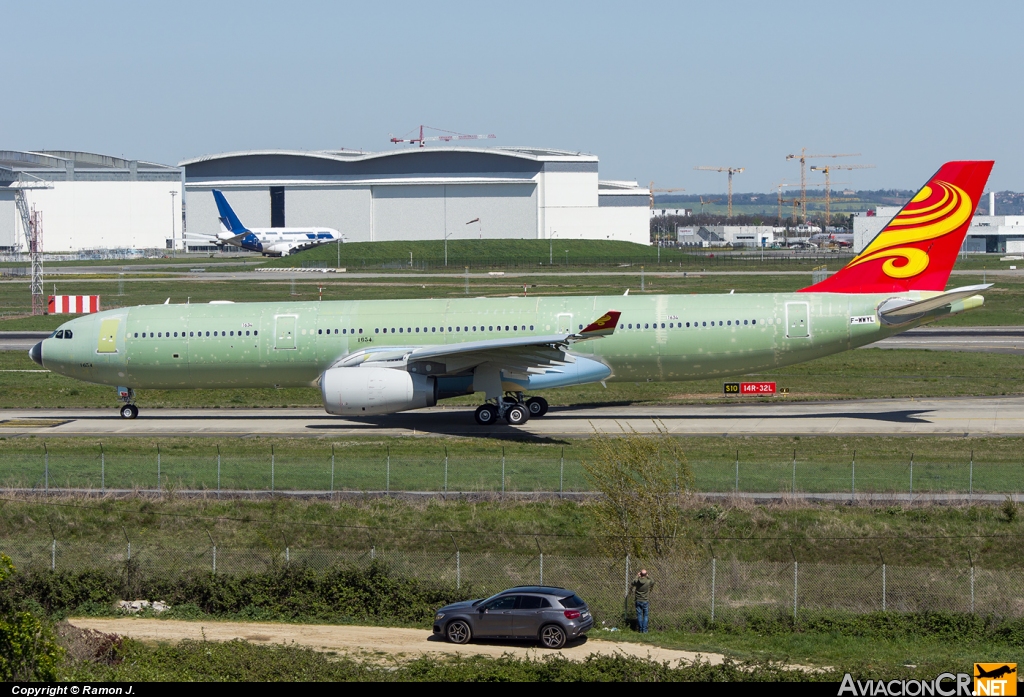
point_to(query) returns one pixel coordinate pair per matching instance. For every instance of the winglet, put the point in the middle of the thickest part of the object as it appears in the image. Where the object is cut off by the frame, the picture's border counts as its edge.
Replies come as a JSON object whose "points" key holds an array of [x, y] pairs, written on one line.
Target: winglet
{"points": [[603, 326]]}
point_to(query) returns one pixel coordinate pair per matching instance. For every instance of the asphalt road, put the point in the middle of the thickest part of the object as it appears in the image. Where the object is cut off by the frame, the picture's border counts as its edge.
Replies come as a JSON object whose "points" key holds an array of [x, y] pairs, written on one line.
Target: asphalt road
{"points": [[970, 416]]}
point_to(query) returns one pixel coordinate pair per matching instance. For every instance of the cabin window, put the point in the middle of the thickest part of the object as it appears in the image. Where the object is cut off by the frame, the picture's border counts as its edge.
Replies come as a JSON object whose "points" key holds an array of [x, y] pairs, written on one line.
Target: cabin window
{"points": [[320, 331], [753, 321], [433, 330], [491, 328], [744, 321], [247, 333], [730, 323], [645, 326], [136, 335], [360, 330]]}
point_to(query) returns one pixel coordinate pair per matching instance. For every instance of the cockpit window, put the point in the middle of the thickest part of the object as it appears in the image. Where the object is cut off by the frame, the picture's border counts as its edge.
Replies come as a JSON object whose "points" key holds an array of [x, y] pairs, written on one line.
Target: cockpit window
{"points": [[67, 334], [59, 334]]}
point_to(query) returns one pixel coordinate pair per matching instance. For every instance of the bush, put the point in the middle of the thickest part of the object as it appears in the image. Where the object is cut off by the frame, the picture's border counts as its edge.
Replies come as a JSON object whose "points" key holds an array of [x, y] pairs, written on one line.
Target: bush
{"points": [[28, 650]]}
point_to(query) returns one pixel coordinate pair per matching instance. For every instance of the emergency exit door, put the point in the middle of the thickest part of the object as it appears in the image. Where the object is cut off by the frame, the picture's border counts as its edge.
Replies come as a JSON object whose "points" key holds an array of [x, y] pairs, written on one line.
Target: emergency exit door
{"points": [[284, 336], [798, 322]]}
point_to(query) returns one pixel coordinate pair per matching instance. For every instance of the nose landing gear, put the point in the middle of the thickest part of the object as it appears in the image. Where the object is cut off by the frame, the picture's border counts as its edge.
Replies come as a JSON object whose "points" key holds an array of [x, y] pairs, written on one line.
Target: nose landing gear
{"points": [[127, 395], [512, 408]]}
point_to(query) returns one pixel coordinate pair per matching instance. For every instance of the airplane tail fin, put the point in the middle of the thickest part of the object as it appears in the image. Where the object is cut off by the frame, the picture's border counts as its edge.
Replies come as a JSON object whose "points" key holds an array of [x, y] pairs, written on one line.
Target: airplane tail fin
{"points": [[917, 249], [227, 216]]}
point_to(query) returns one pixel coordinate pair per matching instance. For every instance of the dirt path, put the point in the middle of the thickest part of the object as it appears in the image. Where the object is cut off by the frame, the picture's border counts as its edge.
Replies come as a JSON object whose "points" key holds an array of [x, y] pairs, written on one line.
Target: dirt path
{"points": [[363, 641]]}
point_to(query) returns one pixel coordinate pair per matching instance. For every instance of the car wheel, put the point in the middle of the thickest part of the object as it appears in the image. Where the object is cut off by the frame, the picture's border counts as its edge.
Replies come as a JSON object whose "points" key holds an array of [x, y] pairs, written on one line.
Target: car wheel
{"points": [[486, 414], [552, 636], [517, 415], [458, 632], [538, 406]]}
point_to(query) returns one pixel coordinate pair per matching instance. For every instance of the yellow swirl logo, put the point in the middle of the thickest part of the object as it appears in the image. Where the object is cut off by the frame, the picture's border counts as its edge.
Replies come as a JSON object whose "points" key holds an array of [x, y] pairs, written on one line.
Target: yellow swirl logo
{"points": [[937, 209]]}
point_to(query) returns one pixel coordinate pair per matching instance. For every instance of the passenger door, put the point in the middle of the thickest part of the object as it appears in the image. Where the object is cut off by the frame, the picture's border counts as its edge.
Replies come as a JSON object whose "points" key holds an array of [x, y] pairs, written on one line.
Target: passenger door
{"points": [[565, 323], [528, 615], [495, 619]]}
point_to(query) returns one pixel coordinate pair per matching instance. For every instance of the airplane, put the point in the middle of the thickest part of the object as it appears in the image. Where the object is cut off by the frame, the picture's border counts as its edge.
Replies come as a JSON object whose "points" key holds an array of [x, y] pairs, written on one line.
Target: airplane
{"points": [[371, 357], [278, 241]]}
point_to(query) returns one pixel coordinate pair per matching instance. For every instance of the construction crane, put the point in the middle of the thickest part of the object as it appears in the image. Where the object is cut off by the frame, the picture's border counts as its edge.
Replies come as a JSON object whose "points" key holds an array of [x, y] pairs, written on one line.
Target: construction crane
{"points": [[32, 227], [803, 157], [780, 186], [447, 137], [827, 169], [731, 171], [660, 191], [704, 201]]}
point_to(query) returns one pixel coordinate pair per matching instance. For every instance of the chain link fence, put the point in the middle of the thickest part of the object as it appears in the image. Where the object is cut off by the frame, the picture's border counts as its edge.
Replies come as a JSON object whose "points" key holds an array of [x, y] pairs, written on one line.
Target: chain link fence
{"points": [[95, 469], [686, 590]]}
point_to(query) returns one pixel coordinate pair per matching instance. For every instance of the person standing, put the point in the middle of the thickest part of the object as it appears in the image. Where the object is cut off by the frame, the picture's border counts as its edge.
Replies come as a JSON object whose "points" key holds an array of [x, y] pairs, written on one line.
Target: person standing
{"points": [[642, 586]]}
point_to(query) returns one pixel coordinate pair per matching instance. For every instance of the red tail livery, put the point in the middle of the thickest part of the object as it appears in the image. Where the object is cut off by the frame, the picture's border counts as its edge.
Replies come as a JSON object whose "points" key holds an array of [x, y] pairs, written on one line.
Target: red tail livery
{"points": [[917, 249]]}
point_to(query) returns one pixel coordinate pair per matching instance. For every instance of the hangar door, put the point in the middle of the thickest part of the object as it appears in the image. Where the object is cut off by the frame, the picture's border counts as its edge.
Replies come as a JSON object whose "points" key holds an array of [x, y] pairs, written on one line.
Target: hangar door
{"points": [[428, 212]]}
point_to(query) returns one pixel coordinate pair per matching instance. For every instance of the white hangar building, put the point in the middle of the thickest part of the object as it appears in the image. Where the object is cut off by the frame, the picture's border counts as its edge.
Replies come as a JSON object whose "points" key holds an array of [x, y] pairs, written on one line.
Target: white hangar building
{"points": [[419, 194], [88, 201]]}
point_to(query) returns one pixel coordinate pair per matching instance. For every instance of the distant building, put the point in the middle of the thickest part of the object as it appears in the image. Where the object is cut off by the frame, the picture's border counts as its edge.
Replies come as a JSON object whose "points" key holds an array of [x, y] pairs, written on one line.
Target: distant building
{"points": [[680, 212], [994, 234], [420, 194], [744, 235], [89, 201]]}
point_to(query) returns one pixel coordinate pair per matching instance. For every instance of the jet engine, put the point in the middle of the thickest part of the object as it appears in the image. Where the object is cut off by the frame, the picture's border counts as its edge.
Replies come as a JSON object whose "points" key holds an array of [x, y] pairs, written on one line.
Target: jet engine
{"points": [[364, 391]]}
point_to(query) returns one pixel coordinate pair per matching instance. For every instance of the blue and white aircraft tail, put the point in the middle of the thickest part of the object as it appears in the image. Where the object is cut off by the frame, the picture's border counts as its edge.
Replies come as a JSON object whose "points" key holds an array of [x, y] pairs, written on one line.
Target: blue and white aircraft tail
{"points": [[267, 241]]}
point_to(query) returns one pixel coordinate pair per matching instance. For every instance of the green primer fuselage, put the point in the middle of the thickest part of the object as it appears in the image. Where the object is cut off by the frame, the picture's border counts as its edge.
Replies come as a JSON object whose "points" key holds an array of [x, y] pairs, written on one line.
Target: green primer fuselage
{"points": [[290, 344]]}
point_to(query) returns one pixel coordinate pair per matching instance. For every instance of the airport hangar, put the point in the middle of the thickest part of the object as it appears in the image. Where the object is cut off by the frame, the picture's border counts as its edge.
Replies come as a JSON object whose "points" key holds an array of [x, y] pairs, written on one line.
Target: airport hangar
{"points": [[418, 194], [89, 201]]}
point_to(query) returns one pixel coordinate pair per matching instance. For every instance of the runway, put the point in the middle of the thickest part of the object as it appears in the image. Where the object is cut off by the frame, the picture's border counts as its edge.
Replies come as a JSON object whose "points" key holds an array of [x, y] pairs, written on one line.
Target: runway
{"points": [[960, 417]]}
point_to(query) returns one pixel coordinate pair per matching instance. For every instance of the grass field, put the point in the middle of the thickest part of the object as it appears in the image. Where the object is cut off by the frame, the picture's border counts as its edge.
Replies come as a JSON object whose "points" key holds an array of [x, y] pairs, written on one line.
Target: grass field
{"points": [[923, 536], [766, 464]]}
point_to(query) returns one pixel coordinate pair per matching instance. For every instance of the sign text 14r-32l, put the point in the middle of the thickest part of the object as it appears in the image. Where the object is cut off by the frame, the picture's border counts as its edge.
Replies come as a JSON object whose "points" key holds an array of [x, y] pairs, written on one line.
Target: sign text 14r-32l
{"points": [[749, 388]]}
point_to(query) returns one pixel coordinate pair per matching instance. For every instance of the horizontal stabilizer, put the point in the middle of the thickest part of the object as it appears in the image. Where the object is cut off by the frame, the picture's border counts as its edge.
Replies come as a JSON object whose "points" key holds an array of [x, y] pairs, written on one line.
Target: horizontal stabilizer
{"points": [[898, 308]]}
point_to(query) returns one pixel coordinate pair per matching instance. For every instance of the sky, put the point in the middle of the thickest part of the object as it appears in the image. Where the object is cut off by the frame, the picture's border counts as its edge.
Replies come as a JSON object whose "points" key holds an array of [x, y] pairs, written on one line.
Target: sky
{"points": [[653, 89]]}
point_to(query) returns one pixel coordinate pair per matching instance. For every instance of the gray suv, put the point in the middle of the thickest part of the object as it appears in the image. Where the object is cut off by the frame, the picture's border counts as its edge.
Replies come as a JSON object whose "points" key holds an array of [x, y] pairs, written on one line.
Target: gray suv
{"points": [[540, 613]]}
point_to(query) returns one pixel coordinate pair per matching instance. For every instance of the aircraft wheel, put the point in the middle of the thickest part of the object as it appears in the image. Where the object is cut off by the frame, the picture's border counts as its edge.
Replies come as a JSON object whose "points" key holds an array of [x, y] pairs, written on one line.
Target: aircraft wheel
{"points": [[537, 406], [129, 411], [517, 415], [486, 414]]}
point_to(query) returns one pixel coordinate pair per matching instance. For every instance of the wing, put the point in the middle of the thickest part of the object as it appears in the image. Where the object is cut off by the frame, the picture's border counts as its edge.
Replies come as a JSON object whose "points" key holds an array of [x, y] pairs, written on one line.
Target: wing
{"points": [[514, 357]]}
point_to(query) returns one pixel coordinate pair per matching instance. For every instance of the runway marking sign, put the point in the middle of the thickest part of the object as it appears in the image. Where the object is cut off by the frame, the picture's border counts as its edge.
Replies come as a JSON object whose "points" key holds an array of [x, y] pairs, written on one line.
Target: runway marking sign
{"points": [[749, 388]]}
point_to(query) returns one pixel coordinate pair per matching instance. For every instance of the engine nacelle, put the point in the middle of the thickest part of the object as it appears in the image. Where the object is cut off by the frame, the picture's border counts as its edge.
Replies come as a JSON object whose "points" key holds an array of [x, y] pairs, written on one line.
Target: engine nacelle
{"points": [[365, 391]]}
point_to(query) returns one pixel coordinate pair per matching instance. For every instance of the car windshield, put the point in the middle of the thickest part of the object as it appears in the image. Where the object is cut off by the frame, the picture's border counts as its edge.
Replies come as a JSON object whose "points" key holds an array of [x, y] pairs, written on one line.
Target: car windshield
{"points": [[572, 601]]}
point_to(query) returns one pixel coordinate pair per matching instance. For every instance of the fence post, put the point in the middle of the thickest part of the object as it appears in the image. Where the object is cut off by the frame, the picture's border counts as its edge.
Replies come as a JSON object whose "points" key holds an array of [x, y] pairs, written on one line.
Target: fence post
{"points": [[387, 474], [502, 470], [542, 577], [625, 597], [103, 471], [287, 555], [796, 567], [129, 542], [218, 474], [458, 571], [853, 476], [272, 460], [911, 475], [561, 473], [794, 473], [213, 546], [737, 488], [373, 553], [46, 471], [446, 471], [53, 555], [713, 564], [332, 470], [158, 468], [970, 480], [883, 586]]}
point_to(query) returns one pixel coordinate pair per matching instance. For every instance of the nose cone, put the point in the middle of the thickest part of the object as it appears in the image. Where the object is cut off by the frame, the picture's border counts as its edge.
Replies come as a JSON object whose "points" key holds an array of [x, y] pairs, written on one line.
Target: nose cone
{"points": [[36, 353]]}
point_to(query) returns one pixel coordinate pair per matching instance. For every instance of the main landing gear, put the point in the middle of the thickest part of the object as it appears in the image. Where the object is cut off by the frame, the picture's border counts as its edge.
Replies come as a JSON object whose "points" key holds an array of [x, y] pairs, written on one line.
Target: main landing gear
{"points": [[127, 395], [512, 408]]}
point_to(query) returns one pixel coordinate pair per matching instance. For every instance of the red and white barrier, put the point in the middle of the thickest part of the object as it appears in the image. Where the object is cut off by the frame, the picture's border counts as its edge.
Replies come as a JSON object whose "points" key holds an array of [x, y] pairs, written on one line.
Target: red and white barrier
{"points": [[73, 304]]}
